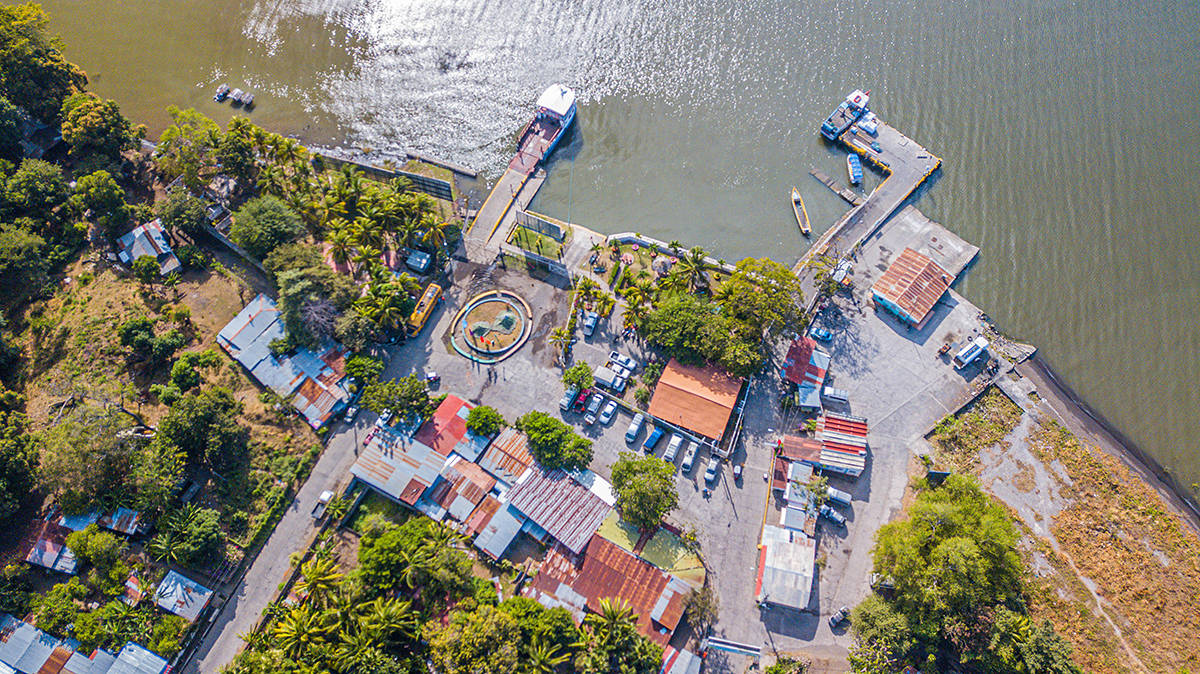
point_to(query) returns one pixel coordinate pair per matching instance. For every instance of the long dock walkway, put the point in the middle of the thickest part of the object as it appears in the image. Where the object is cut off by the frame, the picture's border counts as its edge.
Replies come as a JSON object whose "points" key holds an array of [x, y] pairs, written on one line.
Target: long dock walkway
{"points": [[514, 191], [907, 164]]}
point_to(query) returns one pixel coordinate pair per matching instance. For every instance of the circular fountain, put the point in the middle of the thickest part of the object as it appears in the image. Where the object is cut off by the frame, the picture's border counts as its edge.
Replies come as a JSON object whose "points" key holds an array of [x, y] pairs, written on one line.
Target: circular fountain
{"points": [[491, 326]]}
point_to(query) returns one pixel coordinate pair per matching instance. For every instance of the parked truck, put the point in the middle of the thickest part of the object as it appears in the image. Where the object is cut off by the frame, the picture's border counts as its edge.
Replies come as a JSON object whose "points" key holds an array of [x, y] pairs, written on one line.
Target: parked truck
{"points": [[322, 503]]}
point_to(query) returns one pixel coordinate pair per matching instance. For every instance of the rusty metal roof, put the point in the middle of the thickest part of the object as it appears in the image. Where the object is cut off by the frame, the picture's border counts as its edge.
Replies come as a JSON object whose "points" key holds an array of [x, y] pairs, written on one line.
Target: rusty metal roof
{"points": [[914, 283], [805, 364], [508, 456], [700, 399], [604, 571], [123, 520], [556, 502], [398, 468], [49, 549], [463, 485]]}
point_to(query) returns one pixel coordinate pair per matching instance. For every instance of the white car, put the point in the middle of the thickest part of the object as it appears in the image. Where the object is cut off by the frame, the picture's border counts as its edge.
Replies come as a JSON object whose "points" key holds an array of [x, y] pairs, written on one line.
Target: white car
{"points": [[620, 369], [689, 457], [609, 411], [673, 448], [714, 467], [590, 320], [624, 361]]}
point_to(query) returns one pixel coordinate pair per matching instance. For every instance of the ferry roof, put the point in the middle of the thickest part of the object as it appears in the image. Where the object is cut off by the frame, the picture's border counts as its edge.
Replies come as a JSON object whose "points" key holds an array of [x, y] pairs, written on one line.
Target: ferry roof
{"points": [[857, 97], [557, 99]]}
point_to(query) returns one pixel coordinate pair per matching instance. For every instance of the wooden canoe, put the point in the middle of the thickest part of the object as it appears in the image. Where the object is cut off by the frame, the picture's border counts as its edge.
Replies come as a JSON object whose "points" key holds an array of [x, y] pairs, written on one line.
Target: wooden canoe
{"points": [[801, 212]]}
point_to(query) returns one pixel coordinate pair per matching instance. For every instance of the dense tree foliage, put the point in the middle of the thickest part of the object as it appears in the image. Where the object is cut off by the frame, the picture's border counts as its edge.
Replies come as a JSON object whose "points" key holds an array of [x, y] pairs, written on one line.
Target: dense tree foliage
{"points": [[95, 128], [579, 375], [485, 420], [611, 643], [18, 455], [645, 487], [98, 196], [22, 265], [405, 397], [188, 535], [553, 443], [187, 148], [364, 368], [84, 457], [181, 212], [958, 591], [10, 131], [310, 302], [33, 73], [261, 225], [36, 189], [415, 556], [138, 334], [205, 427]]}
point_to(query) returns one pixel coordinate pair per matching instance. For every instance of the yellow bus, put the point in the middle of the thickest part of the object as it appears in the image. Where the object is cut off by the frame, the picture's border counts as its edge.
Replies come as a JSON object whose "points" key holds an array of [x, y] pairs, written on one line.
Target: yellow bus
{"points": [[425, 306]]}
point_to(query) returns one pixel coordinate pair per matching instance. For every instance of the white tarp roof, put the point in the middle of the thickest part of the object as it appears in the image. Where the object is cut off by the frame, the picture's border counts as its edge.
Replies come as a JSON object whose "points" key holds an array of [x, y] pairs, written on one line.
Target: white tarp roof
{"points": [[557, 99]]}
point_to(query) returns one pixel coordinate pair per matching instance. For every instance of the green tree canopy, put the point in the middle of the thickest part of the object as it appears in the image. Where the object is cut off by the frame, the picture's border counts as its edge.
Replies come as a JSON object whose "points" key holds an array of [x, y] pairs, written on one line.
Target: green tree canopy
{"points": [[485, 420], [484, 641], [645, 487], [83, 457], [263, 224], [98, 195], [36, 189], [416, 556], [182, 212], [18, 455], [298, 255], [310, 302], [138, 335], [188, 148], [33, 73], [364, 368], [579, 375], [553, 443], [95, 127], [611, 643], [22, 262], [204, 426], [404, 396], [10, 131]]}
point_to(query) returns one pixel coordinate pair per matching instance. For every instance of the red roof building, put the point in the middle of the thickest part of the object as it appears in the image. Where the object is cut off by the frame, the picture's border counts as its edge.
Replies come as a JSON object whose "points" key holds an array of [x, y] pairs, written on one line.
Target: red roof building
{"points": [[606, 571], [446, 431], [462, 487]]}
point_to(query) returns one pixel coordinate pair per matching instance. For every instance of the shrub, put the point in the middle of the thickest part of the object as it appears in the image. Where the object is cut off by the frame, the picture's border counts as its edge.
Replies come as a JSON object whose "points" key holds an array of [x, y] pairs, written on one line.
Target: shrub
{"points": [[553, 443], [485, 420]]}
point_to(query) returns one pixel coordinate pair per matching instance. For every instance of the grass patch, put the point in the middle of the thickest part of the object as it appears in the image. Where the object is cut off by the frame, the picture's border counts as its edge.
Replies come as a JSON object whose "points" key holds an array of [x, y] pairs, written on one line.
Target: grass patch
{"points": [[375, 503], [1145, 561], [536, 242], [959, 438]]}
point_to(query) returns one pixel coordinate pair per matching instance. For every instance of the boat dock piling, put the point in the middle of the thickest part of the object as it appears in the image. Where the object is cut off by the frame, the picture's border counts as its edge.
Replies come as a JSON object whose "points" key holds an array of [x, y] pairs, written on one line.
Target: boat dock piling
{"points": [[850, 196]]}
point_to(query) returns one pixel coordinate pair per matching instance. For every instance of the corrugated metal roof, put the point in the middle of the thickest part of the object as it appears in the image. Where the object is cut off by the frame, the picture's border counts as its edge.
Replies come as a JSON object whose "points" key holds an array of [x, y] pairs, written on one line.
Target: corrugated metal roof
{"points": [[123, 520], [680, 662], [914, 283], [700, 399], [446, 431], [785, 570], [508, 457], [148, 240], [182, 596], [398, 468], [462, 487], [312, 379], [134, 659], [497, 524], [608, 571], [23, 646], [24, 649], [805, 364], [49, 549], [797, 448], [559, 504]]}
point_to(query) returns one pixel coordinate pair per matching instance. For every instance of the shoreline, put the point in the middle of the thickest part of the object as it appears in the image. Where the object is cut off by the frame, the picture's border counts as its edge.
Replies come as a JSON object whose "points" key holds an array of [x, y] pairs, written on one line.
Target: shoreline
{"points": [[1093, 428]]}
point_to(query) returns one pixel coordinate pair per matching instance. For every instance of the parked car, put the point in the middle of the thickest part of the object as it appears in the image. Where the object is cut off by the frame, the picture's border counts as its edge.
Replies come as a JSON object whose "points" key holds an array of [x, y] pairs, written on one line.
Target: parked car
{"points": [[838, 616], [385, 417], [820, 334], [837, 496], [689, 457], [624, 361], [737, 473], [832, 515], [651, 442], [635, 427], [881, 582], [590, 320], [581, 399], [619, 369], [593, 407], [322, 502], [350, 413], [714, 467], [673, 448], [609, 411], [568, 398]]}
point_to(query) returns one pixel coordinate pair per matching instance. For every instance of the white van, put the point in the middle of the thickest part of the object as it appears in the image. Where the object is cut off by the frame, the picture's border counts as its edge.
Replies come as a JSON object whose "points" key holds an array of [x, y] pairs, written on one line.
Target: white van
{"points": [[970, 352], [835, 395]]}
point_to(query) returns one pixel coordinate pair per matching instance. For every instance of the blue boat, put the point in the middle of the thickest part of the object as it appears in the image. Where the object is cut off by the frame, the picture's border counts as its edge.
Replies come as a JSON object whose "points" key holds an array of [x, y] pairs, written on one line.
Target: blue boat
{"points": [[854, 168], [850, 111]]}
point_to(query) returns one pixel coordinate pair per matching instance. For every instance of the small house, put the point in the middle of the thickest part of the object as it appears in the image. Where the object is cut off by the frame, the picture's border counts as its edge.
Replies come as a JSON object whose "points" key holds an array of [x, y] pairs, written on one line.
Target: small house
{"points": [[148, 240]]}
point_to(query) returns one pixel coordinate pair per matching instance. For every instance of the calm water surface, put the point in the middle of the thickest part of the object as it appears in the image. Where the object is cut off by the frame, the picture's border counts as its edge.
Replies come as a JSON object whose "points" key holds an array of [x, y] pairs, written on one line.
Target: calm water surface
{"points": [[1068, 131]]}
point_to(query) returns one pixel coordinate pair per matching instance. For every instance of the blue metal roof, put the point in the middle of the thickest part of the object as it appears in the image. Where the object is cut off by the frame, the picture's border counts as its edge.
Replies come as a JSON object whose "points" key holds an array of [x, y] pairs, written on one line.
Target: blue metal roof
{"points": [[134, 659], [182, 596]]}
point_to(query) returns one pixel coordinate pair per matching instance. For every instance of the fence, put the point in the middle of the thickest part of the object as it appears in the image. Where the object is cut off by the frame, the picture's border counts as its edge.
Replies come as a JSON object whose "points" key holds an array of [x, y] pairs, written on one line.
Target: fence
{"points": [[533, 259], [541, 225], [434, 187]]}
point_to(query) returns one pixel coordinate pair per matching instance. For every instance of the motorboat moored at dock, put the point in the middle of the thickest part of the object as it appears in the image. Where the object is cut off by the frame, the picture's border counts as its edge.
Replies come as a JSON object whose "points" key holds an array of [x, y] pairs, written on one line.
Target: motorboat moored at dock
{"points": [[850, 111], [222, 93], [854, 169], [801, 212]]}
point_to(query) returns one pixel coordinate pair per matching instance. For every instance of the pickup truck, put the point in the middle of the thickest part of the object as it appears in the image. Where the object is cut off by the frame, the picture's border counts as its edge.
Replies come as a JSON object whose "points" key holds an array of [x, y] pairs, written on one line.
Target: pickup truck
{"points": [[323, 500]]}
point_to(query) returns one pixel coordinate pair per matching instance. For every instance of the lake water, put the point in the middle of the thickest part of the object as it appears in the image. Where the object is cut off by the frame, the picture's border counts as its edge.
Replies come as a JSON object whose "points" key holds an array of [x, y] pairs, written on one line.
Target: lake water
{"points": [[1066, 130]]}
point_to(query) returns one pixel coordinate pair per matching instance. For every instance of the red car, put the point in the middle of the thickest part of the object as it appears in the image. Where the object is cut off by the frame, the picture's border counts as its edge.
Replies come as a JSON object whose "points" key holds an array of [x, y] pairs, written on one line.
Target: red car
{"points": [[581, 399]]}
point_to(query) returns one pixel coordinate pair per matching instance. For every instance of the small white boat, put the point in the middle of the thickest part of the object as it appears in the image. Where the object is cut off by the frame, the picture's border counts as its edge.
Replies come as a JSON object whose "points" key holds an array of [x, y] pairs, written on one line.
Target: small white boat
{"points": [[222, 93], [236, 96]]}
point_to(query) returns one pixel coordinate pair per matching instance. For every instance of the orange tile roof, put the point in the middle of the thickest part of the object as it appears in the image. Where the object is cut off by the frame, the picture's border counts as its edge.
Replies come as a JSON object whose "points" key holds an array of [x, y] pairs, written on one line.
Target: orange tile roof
{"points": [[700, 399], [914, 283]]}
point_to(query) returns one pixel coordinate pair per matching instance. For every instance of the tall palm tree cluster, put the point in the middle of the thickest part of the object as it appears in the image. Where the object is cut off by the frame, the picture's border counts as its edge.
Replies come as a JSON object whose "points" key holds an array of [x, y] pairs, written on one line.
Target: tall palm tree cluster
{"points": [[644, 290], [335, 629]]}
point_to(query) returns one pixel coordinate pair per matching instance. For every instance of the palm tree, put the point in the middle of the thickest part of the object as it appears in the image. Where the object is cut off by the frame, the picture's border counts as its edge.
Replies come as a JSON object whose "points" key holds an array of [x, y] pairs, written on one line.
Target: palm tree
{"points": [[354, 644], [560, 339], [366, 254], [613, 614], [675, 246], [165, 547], [692, 268], [319, 578], [389, 620], [366, 232], [341, 246], [586, 289], [544, 658], [436, 233], [300, 630], [413, 566]]}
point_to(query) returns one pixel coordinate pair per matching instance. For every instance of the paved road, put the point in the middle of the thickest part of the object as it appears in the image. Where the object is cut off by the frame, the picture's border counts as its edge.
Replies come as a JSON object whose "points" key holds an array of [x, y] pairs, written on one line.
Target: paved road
{"points": [[241, 612]]}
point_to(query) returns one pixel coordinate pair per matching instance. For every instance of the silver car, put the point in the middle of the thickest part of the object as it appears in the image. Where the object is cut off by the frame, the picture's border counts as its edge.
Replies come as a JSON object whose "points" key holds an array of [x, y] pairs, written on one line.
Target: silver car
{"points": [[714, 468], [689, 457], [673, 448], [609, 411], [635, 427]]}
